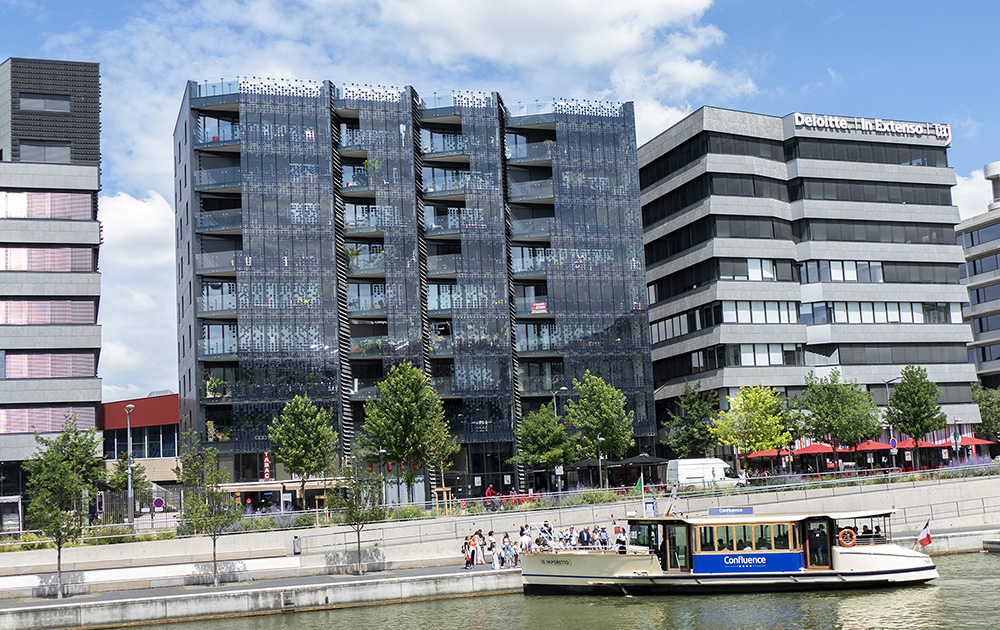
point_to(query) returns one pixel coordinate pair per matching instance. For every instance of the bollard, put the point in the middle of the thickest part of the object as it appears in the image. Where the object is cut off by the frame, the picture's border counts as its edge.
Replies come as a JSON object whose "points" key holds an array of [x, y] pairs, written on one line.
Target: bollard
{"points": [[296, 545]]}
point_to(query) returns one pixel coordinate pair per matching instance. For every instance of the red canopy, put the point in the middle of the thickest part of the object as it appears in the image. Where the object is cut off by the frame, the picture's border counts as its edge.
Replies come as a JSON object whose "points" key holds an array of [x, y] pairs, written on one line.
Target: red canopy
{"points": [[911, 443], [770, 453], [973, 441], [814, 449], [872, 445]]}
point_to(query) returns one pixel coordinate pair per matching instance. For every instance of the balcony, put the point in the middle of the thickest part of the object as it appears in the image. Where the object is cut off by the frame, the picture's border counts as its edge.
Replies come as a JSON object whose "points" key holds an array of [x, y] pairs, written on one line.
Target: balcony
{"points": [[223, 263], [366, 307], [531, 266], [537, 347], [537, 385], [218, 179], [219, 221], [439, 107], [366, 265], [538, 306], [532, 192], [223, 136], [365, 388], [442, 346], [219, 306], [537, 114], [442, 266], [442, 385], [444, 147], [531, 154], [351, 142], [362, 347], [532, 229], [368, 220], [219, 96], [356, 181], [217, 350], [448, 186]]}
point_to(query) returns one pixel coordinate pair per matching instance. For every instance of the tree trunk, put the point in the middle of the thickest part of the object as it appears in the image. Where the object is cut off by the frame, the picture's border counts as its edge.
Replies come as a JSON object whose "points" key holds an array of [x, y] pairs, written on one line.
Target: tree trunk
{"points": [[361, 567], [215, 564], [302, 493], [59, 586]]}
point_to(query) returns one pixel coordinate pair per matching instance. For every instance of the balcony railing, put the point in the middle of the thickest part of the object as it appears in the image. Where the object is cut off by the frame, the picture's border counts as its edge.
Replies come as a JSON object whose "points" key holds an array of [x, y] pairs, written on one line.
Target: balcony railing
{"points": [[367, 264], [220, 88], [442, 264], [437, 101], [369, 218], [217, 177], [442, 385], [441, 143], [218, 220], [531, 151], [527, 191], [366, 305], [531, 264], [532, 306], [355, 179], [452, 181], [223, 132], [215, 261], [367, 346], [442, 345], [350, 138], [532, 228], [536, 345], [215, 303], [531, 109], [537, 385], [212, 347]]}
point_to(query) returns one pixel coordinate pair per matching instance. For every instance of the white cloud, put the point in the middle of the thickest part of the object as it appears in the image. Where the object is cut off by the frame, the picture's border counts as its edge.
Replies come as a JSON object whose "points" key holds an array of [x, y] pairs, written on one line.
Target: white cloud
{"points": [[971, 194]]}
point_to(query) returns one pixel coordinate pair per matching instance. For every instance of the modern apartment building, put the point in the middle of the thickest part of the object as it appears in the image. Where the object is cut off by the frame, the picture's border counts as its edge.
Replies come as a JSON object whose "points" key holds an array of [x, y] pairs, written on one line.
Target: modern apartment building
{"points": [[980, 236], [326, 233], [777, 246], [50, 159]]}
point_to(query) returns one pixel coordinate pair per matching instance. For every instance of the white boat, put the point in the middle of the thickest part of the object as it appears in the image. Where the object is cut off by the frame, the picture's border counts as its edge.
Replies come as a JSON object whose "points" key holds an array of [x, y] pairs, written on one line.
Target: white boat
{"points": [[732, 550]]}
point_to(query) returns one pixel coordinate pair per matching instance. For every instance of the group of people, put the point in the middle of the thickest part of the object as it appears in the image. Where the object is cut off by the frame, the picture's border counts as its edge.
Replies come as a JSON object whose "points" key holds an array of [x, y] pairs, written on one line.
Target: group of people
{"points": [[505, 551]]}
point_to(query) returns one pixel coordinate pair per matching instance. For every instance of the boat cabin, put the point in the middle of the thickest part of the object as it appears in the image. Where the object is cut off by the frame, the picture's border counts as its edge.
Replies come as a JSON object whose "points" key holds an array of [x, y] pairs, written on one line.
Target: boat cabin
{"points": [[735, 540]]}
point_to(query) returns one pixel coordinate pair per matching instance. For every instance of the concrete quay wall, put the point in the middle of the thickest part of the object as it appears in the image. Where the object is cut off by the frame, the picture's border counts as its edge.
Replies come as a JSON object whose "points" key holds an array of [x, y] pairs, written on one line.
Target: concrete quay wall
{"points": [[237, 603]]}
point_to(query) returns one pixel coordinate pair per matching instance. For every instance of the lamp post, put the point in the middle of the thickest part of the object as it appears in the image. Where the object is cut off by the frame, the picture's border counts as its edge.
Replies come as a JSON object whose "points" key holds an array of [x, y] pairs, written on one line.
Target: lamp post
{"points": [[886, 383], [131, 493], [555, 408], [600, 475]]}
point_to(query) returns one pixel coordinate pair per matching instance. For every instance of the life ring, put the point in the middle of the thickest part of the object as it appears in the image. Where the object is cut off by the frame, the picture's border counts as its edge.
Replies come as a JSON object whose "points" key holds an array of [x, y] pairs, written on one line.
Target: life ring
{"points": [[847, 537]]}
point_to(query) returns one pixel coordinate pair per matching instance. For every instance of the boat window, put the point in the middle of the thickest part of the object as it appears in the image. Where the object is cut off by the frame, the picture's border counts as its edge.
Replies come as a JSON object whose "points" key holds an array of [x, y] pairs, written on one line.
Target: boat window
{"points": [[763, 535], [643, 535], [678, 548], [724, 538], [781, 536], [795, 539], [744, 537], [707, 537]]}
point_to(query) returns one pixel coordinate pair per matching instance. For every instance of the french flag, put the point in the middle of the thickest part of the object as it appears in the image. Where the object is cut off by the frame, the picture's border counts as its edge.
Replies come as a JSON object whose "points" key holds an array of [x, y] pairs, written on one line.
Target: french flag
{"points": [[925, 535]]}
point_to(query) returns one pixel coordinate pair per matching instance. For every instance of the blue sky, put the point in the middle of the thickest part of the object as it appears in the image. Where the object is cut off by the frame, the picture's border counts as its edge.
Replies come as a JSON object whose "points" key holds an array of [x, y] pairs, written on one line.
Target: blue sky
{"points": [[917, 60]]}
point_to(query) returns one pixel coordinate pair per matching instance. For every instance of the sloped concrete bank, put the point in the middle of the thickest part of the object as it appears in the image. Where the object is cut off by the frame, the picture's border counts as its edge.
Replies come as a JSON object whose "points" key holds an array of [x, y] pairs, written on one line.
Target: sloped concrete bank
{"points": [[260, 601]]}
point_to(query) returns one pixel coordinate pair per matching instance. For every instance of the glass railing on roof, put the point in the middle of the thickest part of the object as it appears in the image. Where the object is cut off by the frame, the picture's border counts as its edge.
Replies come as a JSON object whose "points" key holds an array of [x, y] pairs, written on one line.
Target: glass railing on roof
{"points": [[219, 88], [531, 109], [437, 101]]}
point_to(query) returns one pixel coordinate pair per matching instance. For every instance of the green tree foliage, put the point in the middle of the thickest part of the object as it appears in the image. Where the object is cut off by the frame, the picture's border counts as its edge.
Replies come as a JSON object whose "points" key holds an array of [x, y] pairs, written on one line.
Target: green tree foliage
{"points": [[206, 508], [62, 484], [401, 420], [838, 411], [913, 408], [359, 503], [690, 431], [302, 439], [599, 412], [755, 421], [989, 409], [441, 445], [118, 480], [543, 440]]}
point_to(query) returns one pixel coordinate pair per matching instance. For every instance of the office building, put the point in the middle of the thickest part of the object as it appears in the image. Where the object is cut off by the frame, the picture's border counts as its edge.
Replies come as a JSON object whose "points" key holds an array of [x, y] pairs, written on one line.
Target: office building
{"points": [[50, 159], [326, 233], [980, 236], [778, 246]]}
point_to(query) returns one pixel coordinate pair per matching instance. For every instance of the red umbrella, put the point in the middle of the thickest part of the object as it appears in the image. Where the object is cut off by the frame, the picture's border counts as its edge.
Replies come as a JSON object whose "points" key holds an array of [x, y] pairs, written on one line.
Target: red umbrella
{"points": [[770, 453], [814, 449], [972, 441], [911, 443], [872, 445]]}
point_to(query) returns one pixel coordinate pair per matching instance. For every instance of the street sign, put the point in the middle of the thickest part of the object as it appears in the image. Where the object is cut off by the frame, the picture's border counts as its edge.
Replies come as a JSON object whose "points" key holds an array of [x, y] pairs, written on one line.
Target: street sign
{"points": [[158, 502], [892, 444]]}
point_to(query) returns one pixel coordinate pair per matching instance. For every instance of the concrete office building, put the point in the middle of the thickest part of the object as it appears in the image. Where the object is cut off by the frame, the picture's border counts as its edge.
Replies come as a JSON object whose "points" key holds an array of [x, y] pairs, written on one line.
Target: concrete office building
{"points": [[50, 158], [980, 236], [777, 246], [326, 233]]}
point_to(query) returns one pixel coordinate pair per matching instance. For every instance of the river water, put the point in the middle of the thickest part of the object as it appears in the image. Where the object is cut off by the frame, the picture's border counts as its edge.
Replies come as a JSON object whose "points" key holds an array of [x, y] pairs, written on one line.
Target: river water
{"points": [[966, 596]]}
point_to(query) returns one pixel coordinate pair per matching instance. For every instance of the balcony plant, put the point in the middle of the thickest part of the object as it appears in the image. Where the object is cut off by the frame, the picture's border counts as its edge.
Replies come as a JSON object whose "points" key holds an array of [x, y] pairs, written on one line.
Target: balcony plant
{"points": [[216, 387]]}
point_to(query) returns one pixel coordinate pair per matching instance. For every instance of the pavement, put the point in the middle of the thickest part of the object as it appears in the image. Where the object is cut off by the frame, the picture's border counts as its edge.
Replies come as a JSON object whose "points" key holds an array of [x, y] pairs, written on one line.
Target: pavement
{"points": [[457, 568]]}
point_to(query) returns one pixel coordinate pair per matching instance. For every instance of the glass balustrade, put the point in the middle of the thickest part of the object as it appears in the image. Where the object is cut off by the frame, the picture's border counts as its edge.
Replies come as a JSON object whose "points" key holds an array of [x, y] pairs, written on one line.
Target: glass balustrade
{"points": [[534, 108], [537, 384], [231, 219], [442, 264], [454, 180], [210, 347], [441, 384], [367, 264], [526, 191], [212, 303], [532, 228], [355, 178], [437, 101], [367, 346], [220, 88], [531, 264], [217, 131], [365, 305], [350, 137], [215, 261], [218, 177], [538, 305], [441, 344], [531, 151], [441, 142]]}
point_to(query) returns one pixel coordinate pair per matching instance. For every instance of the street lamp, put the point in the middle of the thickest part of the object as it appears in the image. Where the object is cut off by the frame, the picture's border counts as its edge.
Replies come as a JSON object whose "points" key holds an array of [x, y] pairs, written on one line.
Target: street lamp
{"points": [[555, 409], [600, 475], [131, 492]]}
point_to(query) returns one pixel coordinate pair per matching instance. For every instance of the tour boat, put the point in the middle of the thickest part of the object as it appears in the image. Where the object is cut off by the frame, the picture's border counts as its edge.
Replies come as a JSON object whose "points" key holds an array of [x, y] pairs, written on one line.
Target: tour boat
{"points": [[733, 550]]}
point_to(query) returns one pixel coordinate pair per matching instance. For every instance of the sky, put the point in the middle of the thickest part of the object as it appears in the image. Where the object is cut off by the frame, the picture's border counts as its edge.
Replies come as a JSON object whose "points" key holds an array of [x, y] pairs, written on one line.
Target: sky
{"points": [[917, 61]]}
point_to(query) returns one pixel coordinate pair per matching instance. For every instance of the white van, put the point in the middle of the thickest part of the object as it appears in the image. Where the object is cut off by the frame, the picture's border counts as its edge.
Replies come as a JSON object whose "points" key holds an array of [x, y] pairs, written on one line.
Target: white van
{"points": [[705, 472]]}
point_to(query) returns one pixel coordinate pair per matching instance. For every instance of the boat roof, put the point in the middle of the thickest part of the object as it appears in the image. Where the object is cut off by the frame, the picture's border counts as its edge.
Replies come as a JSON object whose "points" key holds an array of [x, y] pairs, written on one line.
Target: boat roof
{"points": [[764, 518]]}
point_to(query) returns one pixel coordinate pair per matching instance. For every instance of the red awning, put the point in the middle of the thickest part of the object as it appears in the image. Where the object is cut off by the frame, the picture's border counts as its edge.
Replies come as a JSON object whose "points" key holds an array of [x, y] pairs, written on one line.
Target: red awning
{"points": [[974, 441], [814, 449], [872, 445], [770, 453], [911, 443]]}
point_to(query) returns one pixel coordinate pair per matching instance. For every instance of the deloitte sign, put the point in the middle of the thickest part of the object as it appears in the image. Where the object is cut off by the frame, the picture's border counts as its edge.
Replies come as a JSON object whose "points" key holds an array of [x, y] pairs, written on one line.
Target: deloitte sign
{"points": [[823, 122]]}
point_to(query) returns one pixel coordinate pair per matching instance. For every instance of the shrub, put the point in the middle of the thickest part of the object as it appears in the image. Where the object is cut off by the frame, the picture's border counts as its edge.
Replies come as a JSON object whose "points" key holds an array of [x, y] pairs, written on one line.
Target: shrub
{"points": [[407, 512], [110, 534], [31, 542]]}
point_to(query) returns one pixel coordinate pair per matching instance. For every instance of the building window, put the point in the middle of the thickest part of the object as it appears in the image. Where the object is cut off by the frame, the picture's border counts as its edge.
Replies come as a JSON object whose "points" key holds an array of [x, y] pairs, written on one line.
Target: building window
{"points": [[45, 102], [48, 151]]}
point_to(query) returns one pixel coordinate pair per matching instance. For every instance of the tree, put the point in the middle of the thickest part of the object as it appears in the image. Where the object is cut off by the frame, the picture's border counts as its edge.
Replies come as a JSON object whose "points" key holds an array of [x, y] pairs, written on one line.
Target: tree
{"points": [[691, 432], [543, 440], [360, 503], [599, 416], [989, 410], [913, 408], [755, 421], [118, 480], [62, 482], [838, 411], [400, 421], [302, 439], [206, 507], [440, 446]]}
